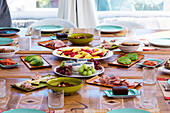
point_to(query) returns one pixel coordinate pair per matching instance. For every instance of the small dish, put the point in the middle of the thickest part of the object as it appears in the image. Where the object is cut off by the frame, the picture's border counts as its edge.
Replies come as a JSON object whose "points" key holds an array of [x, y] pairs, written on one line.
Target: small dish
{"points": [[9, 66], [163, 69], [159, 62], [169, 82], [131, 93]]}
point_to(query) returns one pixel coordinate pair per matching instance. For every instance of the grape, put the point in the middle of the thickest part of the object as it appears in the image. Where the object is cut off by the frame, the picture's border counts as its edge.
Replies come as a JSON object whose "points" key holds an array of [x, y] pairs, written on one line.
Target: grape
{"points": [[95, 62], [84, 73], [62, 71], [93, 70], [84, 66], [70, 67], [61, 68], [89, 73], [69, 72], [58, 69], [98, 63], [81, 70], [66, 73]]}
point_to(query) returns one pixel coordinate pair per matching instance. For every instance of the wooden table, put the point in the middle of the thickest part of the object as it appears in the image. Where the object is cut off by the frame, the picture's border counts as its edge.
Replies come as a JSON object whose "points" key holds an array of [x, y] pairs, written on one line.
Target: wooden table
{"points": [[89, 97]]}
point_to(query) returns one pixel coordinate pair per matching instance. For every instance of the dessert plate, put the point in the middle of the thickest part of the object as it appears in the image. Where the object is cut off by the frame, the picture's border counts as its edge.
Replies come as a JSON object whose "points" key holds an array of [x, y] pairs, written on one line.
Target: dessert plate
{"points": [[131, 93]]}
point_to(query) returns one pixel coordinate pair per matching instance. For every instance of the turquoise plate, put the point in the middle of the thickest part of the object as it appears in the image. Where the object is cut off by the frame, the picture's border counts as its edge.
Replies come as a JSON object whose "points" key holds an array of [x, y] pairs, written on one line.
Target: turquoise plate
{"points": [[5, 41], [50, 28], [7, 31], [159, 62], [9, 66], [131, 93], [128, 110], [109, 28], [25, 110], [169, 81], [160, 42]]}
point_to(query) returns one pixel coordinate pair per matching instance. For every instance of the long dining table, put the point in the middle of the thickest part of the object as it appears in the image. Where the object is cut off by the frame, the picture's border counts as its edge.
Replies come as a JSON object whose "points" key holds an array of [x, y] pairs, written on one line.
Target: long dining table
{"points": [[90, 98]]}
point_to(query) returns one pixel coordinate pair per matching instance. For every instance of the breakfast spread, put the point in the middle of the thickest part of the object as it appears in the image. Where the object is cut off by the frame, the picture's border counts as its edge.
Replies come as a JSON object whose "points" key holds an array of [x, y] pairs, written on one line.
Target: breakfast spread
{"points": [[84, 53], [167, 64], [129, 44], [115, 80], [34, 60], [7, 61], [55, 44], [128, 58], [122, 90]]}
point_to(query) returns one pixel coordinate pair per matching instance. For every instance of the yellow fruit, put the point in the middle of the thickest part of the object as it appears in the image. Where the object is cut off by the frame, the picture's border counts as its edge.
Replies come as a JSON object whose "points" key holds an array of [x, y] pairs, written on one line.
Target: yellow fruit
{"points": [[104, 50], [86, 48], [96, 57], [78, 56], [66, 50], [59, 52], [76, 49], [88, 56], [96, 49], [96, 53]]}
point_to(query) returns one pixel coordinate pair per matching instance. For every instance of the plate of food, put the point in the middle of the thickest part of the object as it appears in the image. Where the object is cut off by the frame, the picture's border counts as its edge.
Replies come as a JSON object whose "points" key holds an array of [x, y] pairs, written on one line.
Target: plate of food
{"points": [[151, 63], [8, 63], [6, 41], [110, 45], [112, 80], [35, 82], [8, 31], [49, 28], [35, 61], [79, 69], [121, 92], [82, 53], [52, 44], [127, 60], [166, 67], [109, 28]]}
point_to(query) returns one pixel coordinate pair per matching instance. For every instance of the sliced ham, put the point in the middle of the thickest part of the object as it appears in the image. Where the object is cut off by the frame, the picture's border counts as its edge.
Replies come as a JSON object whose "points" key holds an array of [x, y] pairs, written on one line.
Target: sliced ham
{"points": [[56, 44], [27, 85]]}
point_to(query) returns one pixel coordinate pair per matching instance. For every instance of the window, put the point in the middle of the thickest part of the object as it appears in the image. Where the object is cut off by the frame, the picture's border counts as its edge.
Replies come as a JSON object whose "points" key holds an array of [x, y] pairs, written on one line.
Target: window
{"points": [[31, 9]]}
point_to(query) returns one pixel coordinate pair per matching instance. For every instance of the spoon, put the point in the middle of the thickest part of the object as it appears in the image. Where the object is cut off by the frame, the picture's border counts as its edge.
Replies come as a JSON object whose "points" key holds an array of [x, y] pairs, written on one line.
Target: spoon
{"points": [[166, 89]]}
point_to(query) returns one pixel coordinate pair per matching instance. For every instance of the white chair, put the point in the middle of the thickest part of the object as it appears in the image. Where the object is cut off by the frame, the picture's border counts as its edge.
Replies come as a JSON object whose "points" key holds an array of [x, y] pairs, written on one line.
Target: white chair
{"points": [[57, 21]]}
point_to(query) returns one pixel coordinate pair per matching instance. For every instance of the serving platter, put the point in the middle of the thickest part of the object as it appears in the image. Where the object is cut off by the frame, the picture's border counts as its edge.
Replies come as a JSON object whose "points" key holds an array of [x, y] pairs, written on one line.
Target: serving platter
{"points": [[8, 31], [9, 66], [159, 62], [40, 85], [131, 93], [109, 28], [115, 62], [45, 65], [77, 75], [49, 28], [109, 54], [6, 41], [95, 81]]}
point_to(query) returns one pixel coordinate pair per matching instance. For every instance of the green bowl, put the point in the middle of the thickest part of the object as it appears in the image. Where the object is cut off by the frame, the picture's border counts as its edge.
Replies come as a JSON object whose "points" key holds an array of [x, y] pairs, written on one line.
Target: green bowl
{"points": [[52, 84], [84, 41]]}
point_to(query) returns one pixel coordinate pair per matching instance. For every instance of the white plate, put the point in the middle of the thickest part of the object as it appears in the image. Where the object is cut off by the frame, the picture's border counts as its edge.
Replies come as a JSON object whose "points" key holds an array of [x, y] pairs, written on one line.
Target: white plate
{"points": [[109, 54], [77, 75], [163, 69], [165, 42]]}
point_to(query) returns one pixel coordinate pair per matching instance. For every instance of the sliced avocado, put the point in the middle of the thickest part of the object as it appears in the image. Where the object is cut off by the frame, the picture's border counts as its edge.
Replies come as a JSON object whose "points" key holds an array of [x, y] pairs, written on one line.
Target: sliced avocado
{"points": [[124, 60], [132, 56]]}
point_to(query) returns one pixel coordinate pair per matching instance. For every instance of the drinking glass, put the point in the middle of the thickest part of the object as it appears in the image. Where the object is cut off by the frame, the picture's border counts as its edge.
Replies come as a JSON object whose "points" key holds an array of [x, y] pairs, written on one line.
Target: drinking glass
{"points": [[56, 98], [147, 98], [2, 87], [24, 43], [149, 75], [35, 32], [96, 33], [130, 33]]}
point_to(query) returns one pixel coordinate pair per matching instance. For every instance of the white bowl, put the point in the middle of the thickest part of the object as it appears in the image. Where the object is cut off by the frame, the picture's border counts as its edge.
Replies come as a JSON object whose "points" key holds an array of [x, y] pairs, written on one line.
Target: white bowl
{"points": [[10, 54], [128, 48]]}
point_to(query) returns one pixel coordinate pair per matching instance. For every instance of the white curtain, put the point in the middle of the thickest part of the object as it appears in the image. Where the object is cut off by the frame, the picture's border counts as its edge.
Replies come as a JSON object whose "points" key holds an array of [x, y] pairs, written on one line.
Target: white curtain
{"points": [[80, 12]]}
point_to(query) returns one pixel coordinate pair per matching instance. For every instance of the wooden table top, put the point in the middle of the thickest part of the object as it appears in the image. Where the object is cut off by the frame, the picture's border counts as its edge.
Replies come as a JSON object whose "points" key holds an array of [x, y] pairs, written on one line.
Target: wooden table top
{"points": [[90, 97]]}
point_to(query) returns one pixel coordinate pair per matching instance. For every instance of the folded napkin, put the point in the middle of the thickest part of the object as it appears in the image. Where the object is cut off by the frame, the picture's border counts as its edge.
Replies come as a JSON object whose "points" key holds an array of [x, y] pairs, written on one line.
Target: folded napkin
{"points": [[165, 93]]}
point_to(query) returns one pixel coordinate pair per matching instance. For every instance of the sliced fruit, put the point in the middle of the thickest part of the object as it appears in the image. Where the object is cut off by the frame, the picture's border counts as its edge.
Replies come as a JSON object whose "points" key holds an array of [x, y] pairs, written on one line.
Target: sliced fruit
{"points": [[67, 49], [86, 48], [59, 52], [96, 53], [95, 57]]}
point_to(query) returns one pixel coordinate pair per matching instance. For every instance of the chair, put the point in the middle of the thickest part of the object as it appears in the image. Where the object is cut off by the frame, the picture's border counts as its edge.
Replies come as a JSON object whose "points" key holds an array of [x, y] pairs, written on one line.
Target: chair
{"points": [[57, 21]]}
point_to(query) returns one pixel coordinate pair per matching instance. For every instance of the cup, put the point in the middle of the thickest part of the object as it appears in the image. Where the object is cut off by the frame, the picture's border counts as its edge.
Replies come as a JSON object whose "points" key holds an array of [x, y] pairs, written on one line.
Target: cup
{"points": [[35, 32], [149, 75], [2, 87], [130, 33], [24, 43], [148, 98], [96, 33], [56, 98]]}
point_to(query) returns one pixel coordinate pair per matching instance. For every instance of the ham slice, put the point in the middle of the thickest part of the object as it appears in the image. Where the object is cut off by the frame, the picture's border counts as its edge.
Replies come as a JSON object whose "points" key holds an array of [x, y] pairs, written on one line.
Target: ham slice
{"points": [[56, 44]]}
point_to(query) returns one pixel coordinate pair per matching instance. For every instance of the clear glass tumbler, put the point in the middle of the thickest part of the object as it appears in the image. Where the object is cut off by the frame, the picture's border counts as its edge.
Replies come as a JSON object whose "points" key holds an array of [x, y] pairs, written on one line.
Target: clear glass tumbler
{"points": [[56, 98], [96, 33], [149, 75], [148, 98], [24, 43], [35, 32], [2, 87]]}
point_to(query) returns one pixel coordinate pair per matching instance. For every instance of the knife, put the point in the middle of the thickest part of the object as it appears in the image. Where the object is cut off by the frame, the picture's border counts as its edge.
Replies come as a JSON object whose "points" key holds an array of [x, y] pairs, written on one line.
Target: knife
{"points": [[166, 89]]}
